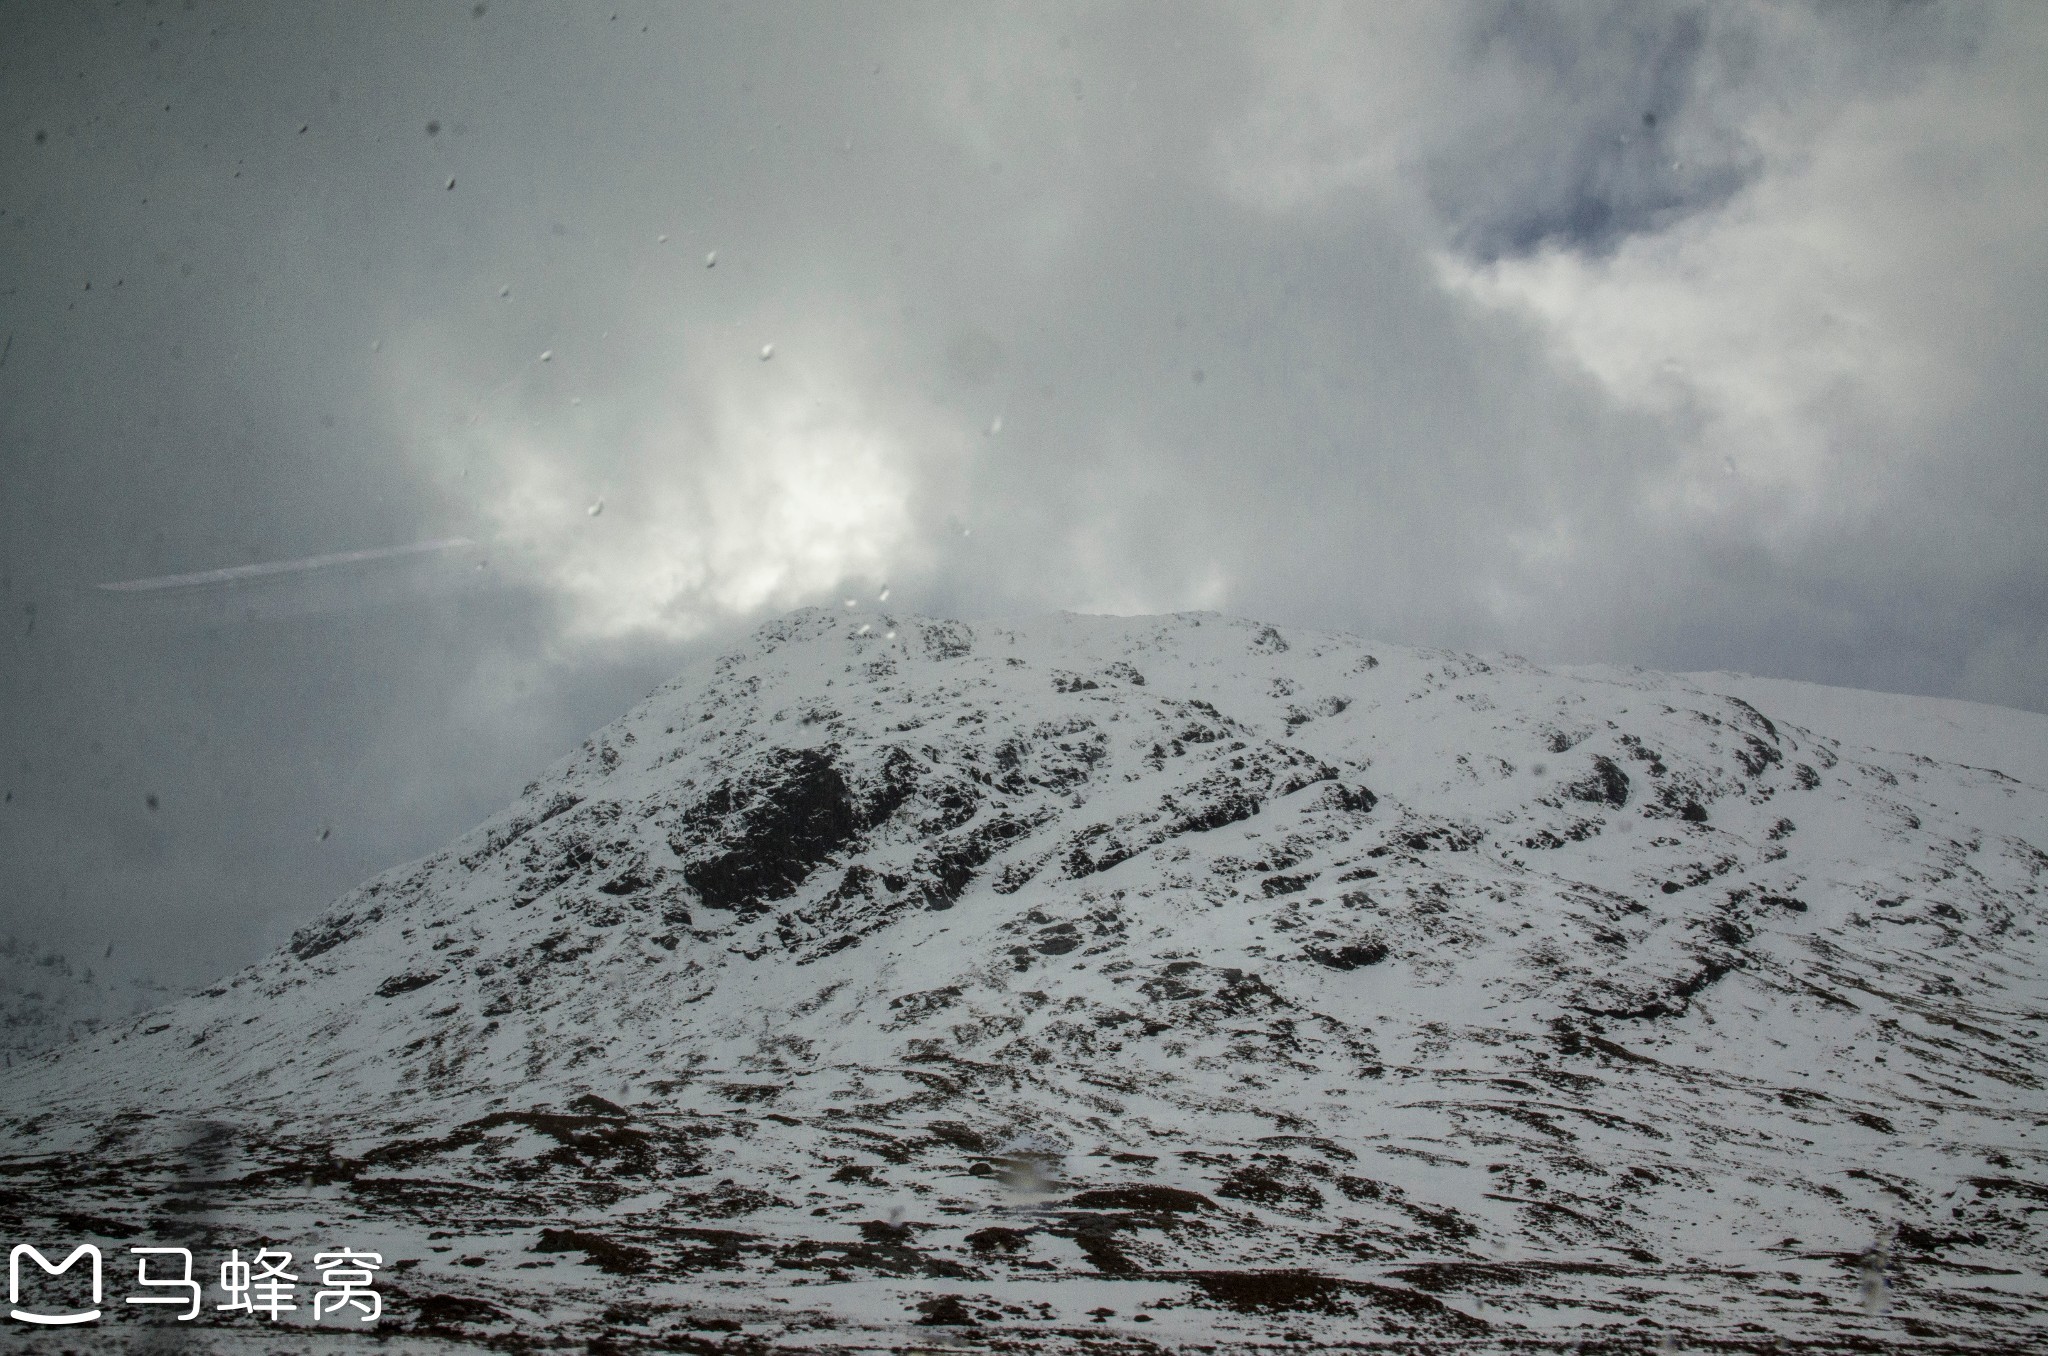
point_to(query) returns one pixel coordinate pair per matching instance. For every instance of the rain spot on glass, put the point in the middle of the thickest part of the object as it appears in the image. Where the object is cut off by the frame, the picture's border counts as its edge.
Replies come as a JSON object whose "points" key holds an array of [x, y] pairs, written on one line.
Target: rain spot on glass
{"points": [[891, 636], [1200, 376], [303, 126], [995, 426], [478, 10], [451, 181], [150, 800], [661, 240], [547, 355], [864, 629], [575, 400], [504, 292], [711, 259], [433, 129], [376, 346], [883, 596], [596, 507], [1030, 1171], [1876, 1293], [325, 832], [767, 352]]}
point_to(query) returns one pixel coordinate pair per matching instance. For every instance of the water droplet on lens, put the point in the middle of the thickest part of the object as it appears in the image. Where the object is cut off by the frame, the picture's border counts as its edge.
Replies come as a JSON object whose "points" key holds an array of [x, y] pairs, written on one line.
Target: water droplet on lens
{"points": [[547, 355], [711, 259], [767, 352], [376, 346], [883, 596], [995, 426], [451, 181], [504, 291], [661, 240], [596, 507]]}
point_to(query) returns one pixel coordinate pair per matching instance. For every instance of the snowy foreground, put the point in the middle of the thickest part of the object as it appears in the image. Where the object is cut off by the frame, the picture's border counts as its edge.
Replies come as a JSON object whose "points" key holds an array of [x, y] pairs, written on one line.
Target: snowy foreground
{"points": [[1133, 985]]}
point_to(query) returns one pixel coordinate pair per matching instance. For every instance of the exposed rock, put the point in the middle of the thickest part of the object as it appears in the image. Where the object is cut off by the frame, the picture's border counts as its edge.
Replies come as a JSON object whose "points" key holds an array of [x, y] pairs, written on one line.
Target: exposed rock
{"points": [[1033, 981]]}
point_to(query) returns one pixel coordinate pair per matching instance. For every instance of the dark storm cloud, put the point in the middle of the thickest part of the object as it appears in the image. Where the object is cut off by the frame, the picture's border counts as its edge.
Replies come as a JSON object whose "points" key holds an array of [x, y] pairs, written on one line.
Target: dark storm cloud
{"points": [[1686, 335], [1606, 164], [1631, 117]]}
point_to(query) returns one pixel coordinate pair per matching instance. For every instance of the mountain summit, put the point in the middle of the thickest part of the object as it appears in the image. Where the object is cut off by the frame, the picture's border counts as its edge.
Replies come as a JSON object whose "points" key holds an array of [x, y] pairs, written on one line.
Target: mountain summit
{"points": [[1132, 985]]}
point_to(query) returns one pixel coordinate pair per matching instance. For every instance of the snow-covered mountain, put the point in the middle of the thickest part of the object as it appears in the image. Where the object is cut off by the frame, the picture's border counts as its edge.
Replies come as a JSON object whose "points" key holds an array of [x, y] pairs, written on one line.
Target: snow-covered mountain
{"points": [[46, 999], [1141, 984]]}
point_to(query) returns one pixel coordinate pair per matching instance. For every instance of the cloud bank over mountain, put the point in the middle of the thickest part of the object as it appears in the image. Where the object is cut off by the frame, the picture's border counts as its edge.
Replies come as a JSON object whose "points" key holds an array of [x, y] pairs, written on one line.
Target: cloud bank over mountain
{"points": [[1685, 335]]}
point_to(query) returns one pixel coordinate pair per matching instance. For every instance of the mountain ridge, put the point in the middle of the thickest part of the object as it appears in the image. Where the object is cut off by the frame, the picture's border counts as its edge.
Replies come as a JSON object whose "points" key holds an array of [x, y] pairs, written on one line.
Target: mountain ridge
{"points": [[1304, 984]]}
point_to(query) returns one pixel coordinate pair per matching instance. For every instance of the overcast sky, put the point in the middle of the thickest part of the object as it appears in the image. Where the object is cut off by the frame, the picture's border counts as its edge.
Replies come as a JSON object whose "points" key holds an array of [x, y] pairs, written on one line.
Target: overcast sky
{"points": [[1686, 335]]}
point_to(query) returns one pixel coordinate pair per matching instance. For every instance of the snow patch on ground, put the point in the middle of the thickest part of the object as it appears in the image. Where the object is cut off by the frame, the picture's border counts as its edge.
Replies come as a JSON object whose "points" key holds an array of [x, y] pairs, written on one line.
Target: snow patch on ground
{"points": [[1137, 983]]}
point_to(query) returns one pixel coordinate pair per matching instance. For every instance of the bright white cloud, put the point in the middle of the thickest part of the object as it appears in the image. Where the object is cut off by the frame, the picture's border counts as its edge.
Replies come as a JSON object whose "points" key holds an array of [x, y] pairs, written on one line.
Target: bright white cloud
{"points": [[1806, 339], [750, 486], [1795, 271]]}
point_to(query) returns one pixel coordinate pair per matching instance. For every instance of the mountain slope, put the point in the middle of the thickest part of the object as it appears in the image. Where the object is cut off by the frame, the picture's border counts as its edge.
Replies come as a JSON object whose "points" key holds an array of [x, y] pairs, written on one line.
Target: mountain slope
{"points": [[46, 1001], [899, 972]]}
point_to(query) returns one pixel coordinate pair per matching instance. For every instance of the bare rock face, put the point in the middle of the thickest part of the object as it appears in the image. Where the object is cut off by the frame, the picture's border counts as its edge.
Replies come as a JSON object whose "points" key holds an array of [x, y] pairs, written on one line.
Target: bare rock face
{"points": [[1133, 985]]}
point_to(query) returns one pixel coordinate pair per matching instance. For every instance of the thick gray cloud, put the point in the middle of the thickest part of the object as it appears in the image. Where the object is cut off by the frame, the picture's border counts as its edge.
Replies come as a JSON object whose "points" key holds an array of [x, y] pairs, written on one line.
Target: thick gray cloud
{"points": [[1685, 335]]}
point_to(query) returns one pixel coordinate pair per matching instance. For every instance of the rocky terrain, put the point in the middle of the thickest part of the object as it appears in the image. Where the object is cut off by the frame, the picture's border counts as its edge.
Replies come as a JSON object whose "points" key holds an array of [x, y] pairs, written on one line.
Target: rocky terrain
{"points": [[1130, 985]]}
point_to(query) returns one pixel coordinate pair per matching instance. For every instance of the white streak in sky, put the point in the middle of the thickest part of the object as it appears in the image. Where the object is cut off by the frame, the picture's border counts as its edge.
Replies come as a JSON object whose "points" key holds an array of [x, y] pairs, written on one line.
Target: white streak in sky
{"points": [[236, 573]]}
